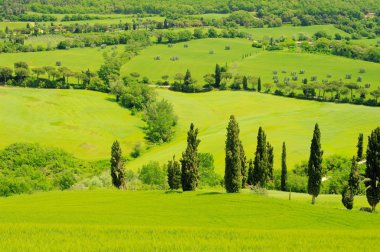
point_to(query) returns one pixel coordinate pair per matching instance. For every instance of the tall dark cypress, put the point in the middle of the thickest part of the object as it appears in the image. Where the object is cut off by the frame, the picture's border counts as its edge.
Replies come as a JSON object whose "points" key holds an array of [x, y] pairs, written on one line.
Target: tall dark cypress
{"points": [[284, 169], [117, 166], [245, 82], [372, 173], [187, 80], [360, 147], [260, 169], [244, 170], [250, 178], [315, 165], [232, 173], [218, 75], [352, 188], [270, 161], [190, 161], [259, 85], [174, 174]]}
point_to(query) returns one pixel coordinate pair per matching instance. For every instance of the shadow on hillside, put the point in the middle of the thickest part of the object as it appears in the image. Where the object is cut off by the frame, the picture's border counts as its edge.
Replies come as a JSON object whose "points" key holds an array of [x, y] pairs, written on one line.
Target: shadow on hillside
{"points": [[209, 193]]}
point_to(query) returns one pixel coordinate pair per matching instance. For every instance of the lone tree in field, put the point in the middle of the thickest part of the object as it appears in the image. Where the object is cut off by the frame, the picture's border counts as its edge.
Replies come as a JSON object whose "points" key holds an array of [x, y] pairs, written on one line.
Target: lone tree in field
{"points": [[117, 166], [360, 147], [190, 161], [352, 188], [218, 75], [372, 173], [260, 172], [232, 173], [315, 165], [174, 174], [284, 169], [244, 168]]}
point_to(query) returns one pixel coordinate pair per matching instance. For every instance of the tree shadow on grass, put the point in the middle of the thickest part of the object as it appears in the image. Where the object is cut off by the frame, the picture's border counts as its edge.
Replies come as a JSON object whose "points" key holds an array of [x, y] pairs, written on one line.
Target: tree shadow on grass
{"points": [[172, 192], [209, 193]]}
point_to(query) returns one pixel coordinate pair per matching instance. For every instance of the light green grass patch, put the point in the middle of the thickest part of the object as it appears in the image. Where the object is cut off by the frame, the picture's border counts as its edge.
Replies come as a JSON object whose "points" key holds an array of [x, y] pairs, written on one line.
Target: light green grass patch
{"points": [[84, 123]]}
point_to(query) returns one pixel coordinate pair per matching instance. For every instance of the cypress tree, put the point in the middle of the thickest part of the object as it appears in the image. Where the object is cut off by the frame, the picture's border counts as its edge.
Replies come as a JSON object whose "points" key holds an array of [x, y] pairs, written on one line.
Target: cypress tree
{"points": [[245, 82], [315, 165], [259, 85], [187, 80], [352, 188], [284, 169], [190, 161], [260, 169], [174, 174], [250, 179], [270, 161], [244, 169], [360, 147], [218, 76], [372, 173], [232, 172], [117, 166]]}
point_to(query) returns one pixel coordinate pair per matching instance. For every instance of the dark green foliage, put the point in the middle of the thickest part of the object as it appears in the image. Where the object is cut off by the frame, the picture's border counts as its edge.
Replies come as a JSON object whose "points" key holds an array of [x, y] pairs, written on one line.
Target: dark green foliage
{"points": [[190, 161], [360, 147], [348, 198], [160, 120], [232, 172], [174, 174], [270, 160], [350, 190], [315, 165], [259, 85], [260, 174], [283, 168], [188, 80], [354, 177], [218, 76], [25, 168], [207, 174], [245, 82], [244, 164], [117, 166], [153, 175], [372, 173]]}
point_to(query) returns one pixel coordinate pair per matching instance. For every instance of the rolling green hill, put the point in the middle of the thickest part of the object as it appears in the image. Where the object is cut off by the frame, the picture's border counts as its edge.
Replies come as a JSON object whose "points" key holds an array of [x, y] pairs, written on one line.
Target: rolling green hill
{"points": [[107, 220], [82, 122]]}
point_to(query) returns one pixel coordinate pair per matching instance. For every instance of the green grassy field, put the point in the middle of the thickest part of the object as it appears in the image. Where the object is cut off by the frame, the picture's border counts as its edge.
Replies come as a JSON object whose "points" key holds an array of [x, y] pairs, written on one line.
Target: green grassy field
{"points": [[82, 122], [260, 63], [85, 123], [288, 31], [283, 119], [105, 220], [77, 59]]}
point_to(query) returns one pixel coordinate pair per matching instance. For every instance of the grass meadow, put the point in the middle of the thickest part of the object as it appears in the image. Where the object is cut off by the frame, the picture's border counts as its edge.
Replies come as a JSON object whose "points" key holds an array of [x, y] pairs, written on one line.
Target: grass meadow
{"points": [[84, 123], [259, 63], [77, 59], [107, 220]]}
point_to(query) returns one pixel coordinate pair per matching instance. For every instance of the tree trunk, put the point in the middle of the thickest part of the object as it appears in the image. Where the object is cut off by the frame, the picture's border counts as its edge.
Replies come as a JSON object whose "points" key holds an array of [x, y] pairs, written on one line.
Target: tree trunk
{"points": [[313, 200], [373, 208]]}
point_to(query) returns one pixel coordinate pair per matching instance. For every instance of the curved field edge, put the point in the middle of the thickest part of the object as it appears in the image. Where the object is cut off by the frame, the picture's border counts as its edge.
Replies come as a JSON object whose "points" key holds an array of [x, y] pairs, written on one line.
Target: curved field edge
{"points": [[108, 220]]}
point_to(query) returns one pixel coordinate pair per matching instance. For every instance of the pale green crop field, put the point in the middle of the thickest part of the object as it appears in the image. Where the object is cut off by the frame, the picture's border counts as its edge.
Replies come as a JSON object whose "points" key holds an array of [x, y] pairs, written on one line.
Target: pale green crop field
{"points": [[84, 123], [259, 63], [283, 119], [77, 59], [108, 220]]}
